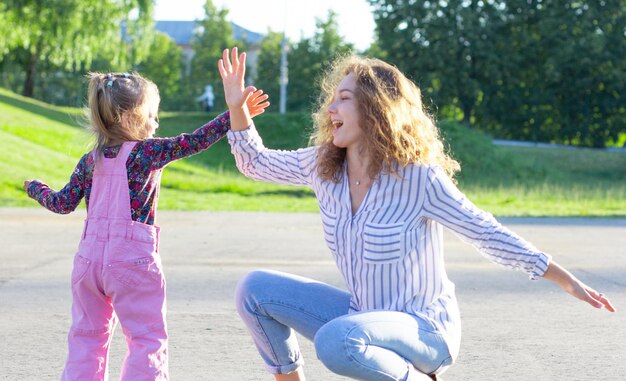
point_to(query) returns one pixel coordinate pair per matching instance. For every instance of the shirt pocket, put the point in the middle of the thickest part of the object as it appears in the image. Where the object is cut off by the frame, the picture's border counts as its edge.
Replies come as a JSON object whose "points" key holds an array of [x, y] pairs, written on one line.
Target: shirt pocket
{"points": [[383, 243], [329, 225]]}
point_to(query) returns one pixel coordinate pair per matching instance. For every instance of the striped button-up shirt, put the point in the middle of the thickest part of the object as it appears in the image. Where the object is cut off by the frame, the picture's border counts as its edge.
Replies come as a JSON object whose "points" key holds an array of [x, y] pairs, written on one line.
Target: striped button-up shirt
{"points": [[390, 252]]}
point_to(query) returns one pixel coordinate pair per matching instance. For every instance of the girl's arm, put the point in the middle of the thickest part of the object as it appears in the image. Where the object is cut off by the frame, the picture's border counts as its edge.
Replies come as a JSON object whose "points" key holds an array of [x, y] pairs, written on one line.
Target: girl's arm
{"points": [[162, 151], [67, 199]]}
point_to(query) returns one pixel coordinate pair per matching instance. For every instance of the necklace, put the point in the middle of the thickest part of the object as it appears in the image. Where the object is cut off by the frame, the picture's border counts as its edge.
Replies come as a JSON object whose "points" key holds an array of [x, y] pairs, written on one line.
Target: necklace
{"points": [[358, 182]]}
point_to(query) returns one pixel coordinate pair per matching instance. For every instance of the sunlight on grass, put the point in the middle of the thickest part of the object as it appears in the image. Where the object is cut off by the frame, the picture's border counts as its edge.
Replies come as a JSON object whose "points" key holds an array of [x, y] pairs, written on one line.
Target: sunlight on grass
{"points": [[551, 200], [45, 142]]}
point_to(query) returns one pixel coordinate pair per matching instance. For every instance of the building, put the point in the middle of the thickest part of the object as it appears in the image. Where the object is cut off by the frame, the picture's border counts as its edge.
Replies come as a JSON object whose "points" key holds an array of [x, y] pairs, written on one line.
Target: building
{"points": [[182, 33]]}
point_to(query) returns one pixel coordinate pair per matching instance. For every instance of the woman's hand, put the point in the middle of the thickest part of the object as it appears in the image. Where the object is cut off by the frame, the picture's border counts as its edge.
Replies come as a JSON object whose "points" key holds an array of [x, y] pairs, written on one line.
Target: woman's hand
{"points": [[26, 184], [589, 295], [257, 103], [570, 284], [233, 75], [235, 94]]}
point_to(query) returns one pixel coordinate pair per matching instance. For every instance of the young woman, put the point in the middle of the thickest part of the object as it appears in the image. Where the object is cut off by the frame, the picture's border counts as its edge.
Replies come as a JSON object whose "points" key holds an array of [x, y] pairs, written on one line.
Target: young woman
{"points": [[384, 187]]}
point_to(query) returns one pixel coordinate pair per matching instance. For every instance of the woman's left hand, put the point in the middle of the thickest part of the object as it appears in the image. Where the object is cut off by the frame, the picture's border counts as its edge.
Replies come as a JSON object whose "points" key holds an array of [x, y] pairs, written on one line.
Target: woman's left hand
{"points": [[572, 285], [589, 295]]}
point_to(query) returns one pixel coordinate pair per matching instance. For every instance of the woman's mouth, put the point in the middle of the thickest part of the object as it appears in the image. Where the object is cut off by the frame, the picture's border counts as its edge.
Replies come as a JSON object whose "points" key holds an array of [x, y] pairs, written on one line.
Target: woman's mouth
{"points": [[337, 123]]}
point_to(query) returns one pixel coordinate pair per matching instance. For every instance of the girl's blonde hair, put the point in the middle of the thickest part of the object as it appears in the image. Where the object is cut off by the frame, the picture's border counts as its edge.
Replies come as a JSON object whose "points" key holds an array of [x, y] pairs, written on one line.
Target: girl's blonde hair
{"points": [[118, 107], [396, 126]]}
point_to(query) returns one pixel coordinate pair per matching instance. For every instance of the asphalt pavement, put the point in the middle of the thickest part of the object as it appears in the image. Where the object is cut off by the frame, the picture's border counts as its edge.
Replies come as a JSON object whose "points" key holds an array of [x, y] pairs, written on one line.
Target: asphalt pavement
{"points": [[514, 329]]}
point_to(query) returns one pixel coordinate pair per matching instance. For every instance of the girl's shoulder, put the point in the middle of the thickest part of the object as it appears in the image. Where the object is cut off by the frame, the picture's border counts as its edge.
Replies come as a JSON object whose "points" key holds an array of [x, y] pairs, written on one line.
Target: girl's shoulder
{"points": [[148, 145], [87, 159], [85, 164]]}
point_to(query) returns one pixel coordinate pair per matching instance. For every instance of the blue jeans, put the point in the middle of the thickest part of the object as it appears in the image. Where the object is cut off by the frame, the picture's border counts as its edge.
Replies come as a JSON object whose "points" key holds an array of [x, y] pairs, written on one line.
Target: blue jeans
{"points": [[370, 345]]}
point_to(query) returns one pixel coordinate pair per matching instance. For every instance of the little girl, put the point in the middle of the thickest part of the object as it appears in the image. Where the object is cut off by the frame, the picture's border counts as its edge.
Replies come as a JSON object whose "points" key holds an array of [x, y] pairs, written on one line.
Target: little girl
{"points": [[117, 270]]}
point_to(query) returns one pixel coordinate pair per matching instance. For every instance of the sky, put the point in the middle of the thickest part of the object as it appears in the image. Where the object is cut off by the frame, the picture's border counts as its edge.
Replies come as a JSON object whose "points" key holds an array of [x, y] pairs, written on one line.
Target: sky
{"points": [[296, 17]]}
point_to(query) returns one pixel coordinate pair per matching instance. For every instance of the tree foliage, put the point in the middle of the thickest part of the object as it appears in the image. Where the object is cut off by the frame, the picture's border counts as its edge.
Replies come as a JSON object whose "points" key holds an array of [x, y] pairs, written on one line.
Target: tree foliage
{"points": [[542, 70], [69, 34], [572, 73], [309, 57], [163, 65], [548, 70], [214, 34], [268, 67]]}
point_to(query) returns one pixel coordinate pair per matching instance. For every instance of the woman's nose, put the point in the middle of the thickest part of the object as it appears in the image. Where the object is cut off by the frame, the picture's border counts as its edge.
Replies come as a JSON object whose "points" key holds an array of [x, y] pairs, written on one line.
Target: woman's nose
{"points": [[332, 108]]}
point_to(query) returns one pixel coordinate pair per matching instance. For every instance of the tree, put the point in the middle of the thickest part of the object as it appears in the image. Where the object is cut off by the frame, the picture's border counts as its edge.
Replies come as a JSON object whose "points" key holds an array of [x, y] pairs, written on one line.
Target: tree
{"points": [[268, 67], [309, 58], [68, 34], [444, 46], [543, 70], [589, 55], [564, 75], [162, 65], [214, 35]]}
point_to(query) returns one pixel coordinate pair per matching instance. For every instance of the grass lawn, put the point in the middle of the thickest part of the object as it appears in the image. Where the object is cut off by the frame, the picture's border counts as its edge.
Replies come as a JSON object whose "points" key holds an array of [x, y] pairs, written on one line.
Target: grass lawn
{"points": [[45, 142]]}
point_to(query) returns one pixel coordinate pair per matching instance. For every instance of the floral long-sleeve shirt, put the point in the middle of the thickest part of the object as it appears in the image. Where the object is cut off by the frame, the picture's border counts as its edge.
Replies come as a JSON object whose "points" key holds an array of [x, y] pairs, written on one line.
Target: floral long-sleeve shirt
{"points": [[145, 164]]}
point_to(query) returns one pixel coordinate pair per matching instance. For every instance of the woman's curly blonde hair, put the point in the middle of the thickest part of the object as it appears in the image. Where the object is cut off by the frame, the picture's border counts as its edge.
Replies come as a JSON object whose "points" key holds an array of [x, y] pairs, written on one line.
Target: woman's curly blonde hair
{"points": [[397, 128]]}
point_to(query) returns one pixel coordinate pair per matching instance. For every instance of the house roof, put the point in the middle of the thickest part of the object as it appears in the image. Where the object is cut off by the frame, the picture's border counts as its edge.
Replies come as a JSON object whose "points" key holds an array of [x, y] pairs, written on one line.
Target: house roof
{"points": [[182, 31]]}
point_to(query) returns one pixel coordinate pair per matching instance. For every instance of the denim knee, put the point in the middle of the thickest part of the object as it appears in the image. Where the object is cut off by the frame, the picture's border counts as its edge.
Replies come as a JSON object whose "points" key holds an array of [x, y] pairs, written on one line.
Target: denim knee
{"points": [[335, 343], [247, 290]]}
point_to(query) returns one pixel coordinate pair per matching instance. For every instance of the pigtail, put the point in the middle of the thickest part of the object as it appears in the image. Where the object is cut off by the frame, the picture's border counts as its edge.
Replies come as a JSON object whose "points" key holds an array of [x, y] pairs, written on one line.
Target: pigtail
{"points": [[117, 107]]}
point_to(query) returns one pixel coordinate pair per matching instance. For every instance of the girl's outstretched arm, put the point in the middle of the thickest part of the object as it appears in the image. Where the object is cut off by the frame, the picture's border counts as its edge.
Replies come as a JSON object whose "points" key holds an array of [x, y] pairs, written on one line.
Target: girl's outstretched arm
{"points": [[162, 151], [68, 198]]}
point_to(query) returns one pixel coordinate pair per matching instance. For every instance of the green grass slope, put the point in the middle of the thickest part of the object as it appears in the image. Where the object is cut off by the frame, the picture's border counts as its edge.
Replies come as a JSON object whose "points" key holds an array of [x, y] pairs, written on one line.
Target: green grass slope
{"points": [[45, 142]]}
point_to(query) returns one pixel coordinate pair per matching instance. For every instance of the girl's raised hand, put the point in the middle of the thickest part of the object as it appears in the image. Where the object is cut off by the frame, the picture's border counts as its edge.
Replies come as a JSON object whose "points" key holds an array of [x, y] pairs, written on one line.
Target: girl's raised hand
{"points": [[257, 103]]}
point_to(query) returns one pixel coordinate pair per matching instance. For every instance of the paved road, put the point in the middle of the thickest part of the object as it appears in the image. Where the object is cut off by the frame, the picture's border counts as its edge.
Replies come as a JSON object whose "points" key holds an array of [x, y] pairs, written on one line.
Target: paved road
{"points": [[514, 329]]}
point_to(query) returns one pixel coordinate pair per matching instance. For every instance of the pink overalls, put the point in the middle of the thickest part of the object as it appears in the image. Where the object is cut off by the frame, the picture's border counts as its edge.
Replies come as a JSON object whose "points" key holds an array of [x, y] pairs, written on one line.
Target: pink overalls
{"points": [[117, 275]]}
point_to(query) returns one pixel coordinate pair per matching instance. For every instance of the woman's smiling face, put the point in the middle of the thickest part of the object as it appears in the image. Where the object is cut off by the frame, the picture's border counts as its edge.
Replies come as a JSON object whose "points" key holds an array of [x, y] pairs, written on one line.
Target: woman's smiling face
{"points": [[344, 115]]}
